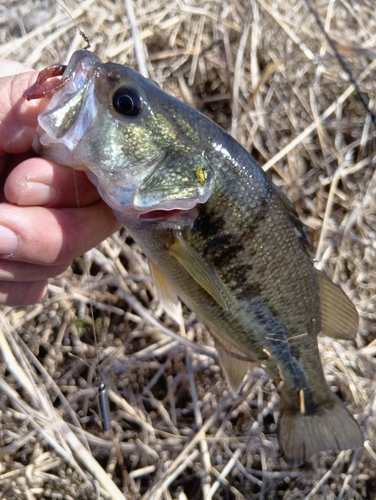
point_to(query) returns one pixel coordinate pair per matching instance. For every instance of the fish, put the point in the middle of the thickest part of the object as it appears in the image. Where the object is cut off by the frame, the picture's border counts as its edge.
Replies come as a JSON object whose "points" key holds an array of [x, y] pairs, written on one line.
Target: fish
{"points": [[217, 232]]}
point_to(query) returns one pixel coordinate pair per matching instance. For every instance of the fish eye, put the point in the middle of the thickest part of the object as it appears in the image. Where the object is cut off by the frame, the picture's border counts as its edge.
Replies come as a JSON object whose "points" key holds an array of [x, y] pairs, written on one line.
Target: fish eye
{"points": [[127, 102]]}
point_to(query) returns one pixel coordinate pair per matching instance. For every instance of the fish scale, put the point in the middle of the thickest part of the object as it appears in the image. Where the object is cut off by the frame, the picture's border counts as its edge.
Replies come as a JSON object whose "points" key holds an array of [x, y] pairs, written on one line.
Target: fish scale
{"points": [[217, 232]]}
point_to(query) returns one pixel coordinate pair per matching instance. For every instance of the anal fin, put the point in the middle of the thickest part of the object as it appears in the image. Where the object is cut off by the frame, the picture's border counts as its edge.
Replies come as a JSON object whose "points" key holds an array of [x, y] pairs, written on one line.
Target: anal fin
{"points": [[233, 360], [233, 367]]}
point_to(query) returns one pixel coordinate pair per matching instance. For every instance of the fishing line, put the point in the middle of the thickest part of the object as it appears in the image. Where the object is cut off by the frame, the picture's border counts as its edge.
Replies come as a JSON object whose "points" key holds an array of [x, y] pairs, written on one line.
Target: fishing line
{"points": [[342, 62], [80, 32], [104, 404]]}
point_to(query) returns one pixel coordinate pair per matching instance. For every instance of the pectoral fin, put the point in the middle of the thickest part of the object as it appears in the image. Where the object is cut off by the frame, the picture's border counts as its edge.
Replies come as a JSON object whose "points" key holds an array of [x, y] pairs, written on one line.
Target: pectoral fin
{"points": [[197, 268], [339, 318], [165, 293]]}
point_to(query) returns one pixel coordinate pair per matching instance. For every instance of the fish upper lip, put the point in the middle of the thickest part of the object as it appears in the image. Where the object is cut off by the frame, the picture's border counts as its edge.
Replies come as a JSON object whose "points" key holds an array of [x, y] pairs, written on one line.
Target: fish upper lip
{"points": [[77, 60]]}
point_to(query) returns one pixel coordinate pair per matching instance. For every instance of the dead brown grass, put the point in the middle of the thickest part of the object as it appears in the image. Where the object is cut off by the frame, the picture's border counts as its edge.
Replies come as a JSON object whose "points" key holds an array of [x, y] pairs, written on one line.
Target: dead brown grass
{"points": [[263, 71]]}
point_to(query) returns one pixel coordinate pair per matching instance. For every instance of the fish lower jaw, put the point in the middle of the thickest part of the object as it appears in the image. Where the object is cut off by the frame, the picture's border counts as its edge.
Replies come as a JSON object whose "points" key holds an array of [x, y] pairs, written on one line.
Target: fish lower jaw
{"points": [[174, 219], [166, 209], [161, 214], [155, 215]]}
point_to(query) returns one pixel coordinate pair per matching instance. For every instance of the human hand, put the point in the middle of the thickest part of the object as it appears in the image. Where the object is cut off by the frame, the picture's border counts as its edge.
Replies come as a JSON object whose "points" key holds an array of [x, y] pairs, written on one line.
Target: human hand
{"points": [[41, 228]]}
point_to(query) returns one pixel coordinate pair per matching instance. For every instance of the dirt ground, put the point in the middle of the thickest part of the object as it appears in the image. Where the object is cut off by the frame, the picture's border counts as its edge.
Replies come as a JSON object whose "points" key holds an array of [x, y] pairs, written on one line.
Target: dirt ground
{"points": [[265, 72]]}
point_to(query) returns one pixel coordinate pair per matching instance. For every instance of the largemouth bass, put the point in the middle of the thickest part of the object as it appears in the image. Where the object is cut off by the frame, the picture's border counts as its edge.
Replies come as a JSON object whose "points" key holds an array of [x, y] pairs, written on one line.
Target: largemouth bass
{"points": [[217, 232]]}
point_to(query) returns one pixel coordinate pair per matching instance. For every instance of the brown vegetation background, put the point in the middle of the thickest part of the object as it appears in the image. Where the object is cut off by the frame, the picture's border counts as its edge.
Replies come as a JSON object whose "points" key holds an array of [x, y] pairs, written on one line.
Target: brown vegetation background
{"points": [[263, 71]]}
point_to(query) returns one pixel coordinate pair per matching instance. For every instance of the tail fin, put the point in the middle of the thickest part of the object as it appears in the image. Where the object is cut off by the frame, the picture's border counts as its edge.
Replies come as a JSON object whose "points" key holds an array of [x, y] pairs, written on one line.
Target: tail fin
{"points": [[302, 435]]}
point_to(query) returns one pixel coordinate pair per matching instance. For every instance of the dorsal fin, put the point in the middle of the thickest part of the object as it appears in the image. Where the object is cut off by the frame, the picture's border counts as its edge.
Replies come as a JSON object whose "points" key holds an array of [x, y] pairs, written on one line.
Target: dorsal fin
{"points": [[339, 318], [197, 268]]}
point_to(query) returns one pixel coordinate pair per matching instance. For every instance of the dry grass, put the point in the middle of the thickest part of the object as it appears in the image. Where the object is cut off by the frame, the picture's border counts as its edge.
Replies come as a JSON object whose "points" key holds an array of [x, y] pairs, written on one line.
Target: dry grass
{"points": [[263, 71]]}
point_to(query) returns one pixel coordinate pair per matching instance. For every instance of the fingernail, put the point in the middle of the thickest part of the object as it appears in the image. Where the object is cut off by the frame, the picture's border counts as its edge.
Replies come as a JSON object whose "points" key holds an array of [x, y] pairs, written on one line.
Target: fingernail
{"points": [[37, 193], [8, 242]]}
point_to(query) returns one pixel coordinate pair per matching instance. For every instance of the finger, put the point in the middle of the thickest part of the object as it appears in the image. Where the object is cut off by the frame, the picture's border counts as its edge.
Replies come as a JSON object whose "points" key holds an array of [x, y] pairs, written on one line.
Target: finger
{"points": [[50, 236], [22, 271], [18, 117], [21, 294], [38, 182], [8, 67]]}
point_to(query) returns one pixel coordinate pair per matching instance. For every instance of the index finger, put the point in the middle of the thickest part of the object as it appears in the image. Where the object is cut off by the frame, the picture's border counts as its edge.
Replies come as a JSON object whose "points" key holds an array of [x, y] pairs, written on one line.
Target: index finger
{"points": [[18, 117], [9, 67]]}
